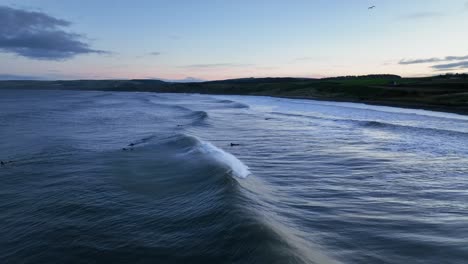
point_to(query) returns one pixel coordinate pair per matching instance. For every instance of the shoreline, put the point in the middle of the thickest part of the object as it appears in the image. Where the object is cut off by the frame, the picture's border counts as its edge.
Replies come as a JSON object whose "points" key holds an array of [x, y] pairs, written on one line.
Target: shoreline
{"points": [[440, 93], [407, 105]]}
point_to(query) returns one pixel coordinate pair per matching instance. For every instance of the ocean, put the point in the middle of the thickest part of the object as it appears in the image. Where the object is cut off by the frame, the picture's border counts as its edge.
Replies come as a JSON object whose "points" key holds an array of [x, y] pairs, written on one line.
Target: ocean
{"points": [[119, 177]]}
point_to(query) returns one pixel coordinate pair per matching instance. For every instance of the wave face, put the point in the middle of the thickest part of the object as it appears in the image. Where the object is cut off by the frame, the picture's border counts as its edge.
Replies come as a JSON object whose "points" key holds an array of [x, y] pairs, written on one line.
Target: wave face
{"points": [[101, 177]]}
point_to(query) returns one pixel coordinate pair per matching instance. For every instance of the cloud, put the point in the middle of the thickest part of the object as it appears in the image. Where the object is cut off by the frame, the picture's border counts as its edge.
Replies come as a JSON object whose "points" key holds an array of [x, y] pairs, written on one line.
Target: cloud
{"points": [[451, 66], [215, 65], [422, 15], [36, 35], [419, 61], [11, 77], [433, 60], [154, 53], [50, 75]]}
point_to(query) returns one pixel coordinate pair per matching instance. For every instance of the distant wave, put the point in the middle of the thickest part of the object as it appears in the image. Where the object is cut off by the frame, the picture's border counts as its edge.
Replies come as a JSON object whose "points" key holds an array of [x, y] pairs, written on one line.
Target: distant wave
{"points": [[197, 116], [374, 124], [300, 115], [102, 95], [232, 104], [181, 115], [163, 104], [378, 124]]}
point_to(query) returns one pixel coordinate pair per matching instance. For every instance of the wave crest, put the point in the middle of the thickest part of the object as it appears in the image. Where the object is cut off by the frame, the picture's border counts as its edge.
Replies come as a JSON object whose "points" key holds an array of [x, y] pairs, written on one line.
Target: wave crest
{"points": [[235, 166], [195, 152]]}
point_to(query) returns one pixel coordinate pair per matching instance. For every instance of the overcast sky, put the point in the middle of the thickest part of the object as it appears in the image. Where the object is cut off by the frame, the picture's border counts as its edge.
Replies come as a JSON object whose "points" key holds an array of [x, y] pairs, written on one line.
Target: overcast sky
{"points": [[215, 39]]}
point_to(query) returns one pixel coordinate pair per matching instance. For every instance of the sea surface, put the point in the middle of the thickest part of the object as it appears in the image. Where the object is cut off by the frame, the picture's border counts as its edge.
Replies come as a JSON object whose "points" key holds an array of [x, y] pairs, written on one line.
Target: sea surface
{"points": [[117, 177]]}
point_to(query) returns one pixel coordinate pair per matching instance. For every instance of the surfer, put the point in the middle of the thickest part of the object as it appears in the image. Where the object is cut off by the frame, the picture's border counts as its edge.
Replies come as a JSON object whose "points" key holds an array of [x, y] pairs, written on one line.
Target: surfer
{"points": [[2, 163], [234, 145]]}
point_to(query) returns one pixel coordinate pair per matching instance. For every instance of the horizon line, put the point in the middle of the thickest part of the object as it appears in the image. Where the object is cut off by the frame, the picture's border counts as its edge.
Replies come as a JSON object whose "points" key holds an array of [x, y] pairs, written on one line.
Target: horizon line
{"points": [[195, 80]]}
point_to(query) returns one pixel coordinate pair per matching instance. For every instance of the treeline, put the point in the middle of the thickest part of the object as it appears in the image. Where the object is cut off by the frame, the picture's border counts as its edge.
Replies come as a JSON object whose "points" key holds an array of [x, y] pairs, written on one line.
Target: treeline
{"points": [[452, 76], [364, 77]]}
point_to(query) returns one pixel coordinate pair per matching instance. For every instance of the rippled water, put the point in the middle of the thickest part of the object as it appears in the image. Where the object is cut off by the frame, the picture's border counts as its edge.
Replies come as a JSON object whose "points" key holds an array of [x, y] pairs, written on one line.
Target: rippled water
{"points": [[310, 182]]}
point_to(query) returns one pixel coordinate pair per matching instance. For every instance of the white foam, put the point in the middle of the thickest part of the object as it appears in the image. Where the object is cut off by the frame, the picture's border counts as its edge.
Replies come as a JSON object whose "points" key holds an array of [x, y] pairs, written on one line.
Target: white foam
{"points": [[238, 168]]}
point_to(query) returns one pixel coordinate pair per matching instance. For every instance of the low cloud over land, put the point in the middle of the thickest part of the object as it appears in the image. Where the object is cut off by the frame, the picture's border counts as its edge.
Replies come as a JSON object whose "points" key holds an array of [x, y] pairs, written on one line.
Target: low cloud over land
{"points": [[432, 60], [451, 66], [456, 62]]}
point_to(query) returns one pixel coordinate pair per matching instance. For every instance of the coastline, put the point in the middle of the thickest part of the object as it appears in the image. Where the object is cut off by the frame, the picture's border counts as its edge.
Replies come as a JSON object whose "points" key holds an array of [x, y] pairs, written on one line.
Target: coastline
{"points": [[409, 105], [459, 110], [439, 93]]}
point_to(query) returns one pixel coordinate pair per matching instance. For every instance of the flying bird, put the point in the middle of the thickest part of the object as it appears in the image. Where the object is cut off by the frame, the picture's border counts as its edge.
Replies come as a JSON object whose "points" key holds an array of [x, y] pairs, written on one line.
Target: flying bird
{"points": [[371, 7]]}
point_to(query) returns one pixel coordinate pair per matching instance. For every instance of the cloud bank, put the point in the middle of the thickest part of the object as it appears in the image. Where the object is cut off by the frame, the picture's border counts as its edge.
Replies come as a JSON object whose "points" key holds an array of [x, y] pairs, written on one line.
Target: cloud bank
{"points": [[422, 15], [456, 62], [451, 66], [433, 60], [9, 77], [36, 35]]}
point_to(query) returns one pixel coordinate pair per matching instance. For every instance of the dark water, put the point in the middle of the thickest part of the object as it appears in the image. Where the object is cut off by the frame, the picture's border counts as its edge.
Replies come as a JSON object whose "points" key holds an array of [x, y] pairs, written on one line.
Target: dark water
{"points": [[311, 182]]}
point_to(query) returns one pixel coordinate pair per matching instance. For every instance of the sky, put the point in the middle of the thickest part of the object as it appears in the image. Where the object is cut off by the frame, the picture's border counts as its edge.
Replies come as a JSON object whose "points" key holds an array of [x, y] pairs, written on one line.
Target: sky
{"points": [[223, 39]]}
